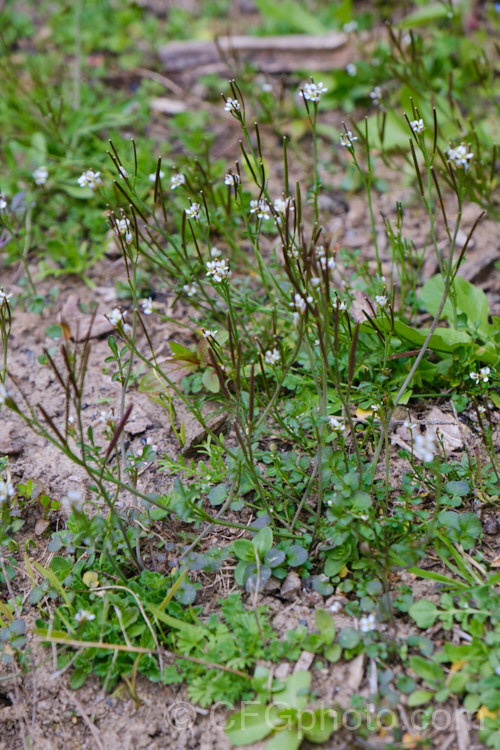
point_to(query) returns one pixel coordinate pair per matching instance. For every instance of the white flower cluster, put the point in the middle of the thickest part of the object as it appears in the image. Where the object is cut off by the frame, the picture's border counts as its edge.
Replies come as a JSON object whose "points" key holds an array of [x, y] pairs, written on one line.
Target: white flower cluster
{"points": [[123, 228], [335, 424], [300, 306], [207, 334], [117, 317], [40, 175], [483, 375], [177, 180], [424, 446], [460, 156], [90, 179], [381, 300], [348, 28], [313, 91], [281, 205], [193, 212], [190, 289], [367, 623], [324, 262], [83, 616], [147, 306], [272, 356], [4, 297], [232, 180], [3, 203], [218, 270], [6, 491], [260, 208], [351, 69], [376, 95], [417, 126], [232, 105], [347, 138], [152, 176]]}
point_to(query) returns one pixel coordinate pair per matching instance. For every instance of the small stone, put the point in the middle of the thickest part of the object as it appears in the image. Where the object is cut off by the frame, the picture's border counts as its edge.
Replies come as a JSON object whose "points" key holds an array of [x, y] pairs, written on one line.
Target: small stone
{"points": [[11, 443], [490, 526], [291, 586]]}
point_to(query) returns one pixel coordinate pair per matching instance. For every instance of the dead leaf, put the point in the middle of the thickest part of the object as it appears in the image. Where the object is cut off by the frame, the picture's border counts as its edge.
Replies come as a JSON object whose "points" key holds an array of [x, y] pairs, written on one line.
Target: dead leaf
{"points": [[41, 525]]}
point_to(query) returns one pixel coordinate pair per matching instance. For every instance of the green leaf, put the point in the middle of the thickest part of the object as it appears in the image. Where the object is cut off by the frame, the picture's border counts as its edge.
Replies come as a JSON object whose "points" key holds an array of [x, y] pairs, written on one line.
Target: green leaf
{"points": [[296, 555], [424, 613], [285, 739], [333, 652], [244, 550], [325, 625], [218, 494], [296, 691], [317, 726], [419, 697], [263, 541], [210, 380], [349, 638], [251, 724], [429, 671], [429, 13], [470, 300]]}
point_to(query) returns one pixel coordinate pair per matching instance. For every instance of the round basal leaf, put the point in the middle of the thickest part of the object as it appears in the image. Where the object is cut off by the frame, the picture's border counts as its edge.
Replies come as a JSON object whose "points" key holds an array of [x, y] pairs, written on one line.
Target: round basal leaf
{"points": [[419, 697], [333, 652], [274, 558], [186, 595], [348, 638], [260, 522], [317, 725], [424, 613], [244, 550], [218, 494], [263, 541], [373, 588], [296, 556], [322, 585], [457, 488], [250, 725]]}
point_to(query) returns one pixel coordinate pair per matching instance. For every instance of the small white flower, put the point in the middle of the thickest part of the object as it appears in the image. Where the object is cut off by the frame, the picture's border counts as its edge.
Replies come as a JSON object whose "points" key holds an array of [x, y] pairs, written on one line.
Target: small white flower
{"points": [[349, 27], [272, 356], [84, 616], [7, 491], [381, 300], [147, 306], [193, 212], [351, 70], [123, 172], [190, 289], [374, 408], [424, 447], [335, 424], [4, 297], [260, 208], [324, 262], [218, 270], [483, 374], [215, 252], [367, 623], [40, 175], [72, 501], [313, 91], [376, 95], [409, 425], [315, 281], [232, 105], [417, 126], [177, 180], [281, 205], [3, 203], [336, 606], [231, 180], [460, 156], [209, 334], [3, 394], [267, 88], [300, 304], [152, 176], [116, 316], [347, 138], [106, 417], [123, 228], [340, 304], [90, 179]]}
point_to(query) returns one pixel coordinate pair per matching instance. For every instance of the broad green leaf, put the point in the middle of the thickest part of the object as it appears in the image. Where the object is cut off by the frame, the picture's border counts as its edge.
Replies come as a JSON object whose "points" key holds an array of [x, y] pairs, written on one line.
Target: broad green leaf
{"points": [[318, 725], [333, 652], [251, 724], [427, 14], [263, 541], [348, 638], [470, 299], [296, 691], [419, 697], [424, 613], [325, 625], [428, 670], [244, 550], [285, 739]]}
